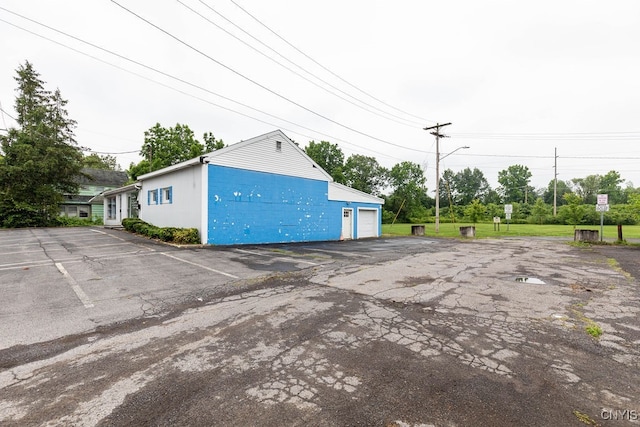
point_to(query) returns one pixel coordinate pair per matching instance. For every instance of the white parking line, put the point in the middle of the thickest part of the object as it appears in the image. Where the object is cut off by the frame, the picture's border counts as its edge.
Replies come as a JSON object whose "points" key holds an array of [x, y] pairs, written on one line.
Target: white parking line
{"points": [[74, 285], [338, 252], [27, 266], [244, 251], [199, 265]]}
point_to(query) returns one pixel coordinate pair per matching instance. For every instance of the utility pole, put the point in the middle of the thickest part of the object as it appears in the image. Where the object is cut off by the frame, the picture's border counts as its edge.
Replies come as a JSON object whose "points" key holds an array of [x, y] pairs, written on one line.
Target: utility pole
{"points": [[555, 182], [438, 135]]}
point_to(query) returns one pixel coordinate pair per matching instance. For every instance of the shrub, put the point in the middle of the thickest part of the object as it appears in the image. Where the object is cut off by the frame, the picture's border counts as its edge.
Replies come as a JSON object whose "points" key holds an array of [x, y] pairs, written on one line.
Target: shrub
{"points": [[66, 221], [166, 234], [186, 236]]}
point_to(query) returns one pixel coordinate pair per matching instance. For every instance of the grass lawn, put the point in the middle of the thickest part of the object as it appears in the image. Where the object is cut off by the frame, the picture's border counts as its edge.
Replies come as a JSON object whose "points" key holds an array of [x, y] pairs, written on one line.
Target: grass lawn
{"points": [[486, 230]]}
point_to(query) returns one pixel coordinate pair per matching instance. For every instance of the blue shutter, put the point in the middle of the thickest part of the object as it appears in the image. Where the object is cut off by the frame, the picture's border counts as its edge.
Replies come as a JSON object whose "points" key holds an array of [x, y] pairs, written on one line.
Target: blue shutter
{"points": [[149, 197], [158, 196]]}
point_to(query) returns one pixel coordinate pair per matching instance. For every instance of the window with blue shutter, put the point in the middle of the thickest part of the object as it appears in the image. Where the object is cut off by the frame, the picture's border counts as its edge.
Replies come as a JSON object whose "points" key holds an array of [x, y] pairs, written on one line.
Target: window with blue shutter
{"points": [[166, 195]]}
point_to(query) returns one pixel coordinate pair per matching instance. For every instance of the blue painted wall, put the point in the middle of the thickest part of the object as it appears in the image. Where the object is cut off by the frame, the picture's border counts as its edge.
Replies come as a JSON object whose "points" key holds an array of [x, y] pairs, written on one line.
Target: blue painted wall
{"points": [[257, 207], [248, 207]]}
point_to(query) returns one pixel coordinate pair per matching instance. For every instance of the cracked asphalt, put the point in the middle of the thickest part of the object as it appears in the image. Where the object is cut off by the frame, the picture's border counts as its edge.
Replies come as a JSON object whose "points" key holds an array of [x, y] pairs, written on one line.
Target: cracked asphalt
{"points": [[99, 327]]}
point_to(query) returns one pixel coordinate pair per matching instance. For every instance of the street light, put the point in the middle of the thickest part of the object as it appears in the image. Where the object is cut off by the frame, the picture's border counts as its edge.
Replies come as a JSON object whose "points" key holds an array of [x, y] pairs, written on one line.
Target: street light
{"points": [[438, 158]]}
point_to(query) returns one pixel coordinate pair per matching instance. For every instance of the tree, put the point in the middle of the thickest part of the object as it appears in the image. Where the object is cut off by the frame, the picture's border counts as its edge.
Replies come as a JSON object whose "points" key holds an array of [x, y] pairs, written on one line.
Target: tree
{"points": [[211, 143], [574, 208], [562, 187], [41, 157], [365, 174], [610, 184], [475, 211], [97, 161], [164, 147], [464, 186], [587, 188], [515, 183], [408, 183], [329, 157], [539, 211]]}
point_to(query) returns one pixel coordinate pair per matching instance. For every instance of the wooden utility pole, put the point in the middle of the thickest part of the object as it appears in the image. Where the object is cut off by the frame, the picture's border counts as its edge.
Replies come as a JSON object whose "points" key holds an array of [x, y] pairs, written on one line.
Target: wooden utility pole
{"points": [[438, 135], [555, 181]]}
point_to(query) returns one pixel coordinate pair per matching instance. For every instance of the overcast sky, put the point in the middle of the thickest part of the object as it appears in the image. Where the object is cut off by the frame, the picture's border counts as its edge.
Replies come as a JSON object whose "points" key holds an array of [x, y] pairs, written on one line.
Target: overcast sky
{"points": [[515, 79]]}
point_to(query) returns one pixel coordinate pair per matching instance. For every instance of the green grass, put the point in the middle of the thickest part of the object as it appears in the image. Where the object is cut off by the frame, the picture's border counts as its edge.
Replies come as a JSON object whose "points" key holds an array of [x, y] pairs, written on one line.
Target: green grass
{"points": [[486, 230], [594, 330]]}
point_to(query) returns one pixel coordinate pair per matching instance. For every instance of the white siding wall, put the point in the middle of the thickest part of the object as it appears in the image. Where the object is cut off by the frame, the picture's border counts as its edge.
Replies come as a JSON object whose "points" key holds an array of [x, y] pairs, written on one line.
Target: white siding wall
{"points": [[122, 209], [185, 209], [261, 154]]}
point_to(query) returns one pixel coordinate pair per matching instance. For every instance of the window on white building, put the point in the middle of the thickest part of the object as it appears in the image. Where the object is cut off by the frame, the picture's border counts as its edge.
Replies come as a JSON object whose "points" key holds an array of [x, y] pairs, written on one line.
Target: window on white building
{"points": [[166, 195], [152, 197]]}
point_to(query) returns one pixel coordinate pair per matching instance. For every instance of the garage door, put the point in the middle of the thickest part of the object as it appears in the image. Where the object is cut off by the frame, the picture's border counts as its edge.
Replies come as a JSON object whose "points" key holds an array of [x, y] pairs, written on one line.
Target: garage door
{"points": [[367, 223]]}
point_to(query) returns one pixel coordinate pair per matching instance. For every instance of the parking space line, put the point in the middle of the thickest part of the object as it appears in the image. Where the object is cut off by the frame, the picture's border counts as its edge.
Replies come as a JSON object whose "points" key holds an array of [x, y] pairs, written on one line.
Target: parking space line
{"points": [[338, 252], [199, 265], [122, 240], [27, 266], [244, 251], [75, 286]]}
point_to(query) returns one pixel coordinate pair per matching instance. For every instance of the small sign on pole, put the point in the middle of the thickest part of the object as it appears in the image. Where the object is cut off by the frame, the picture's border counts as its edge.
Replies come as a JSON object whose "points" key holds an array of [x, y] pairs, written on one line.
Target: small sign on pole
{"points": [[508, 210], [602, 207]]}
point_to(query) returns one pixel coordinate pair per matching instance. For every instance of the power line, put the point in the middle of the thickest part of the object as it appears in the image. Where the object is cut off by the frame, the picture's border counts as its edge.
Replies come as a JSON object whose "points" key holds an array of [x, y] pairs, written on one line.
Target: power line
{"points": [[327, 69], [184, 82], [384, 114], [106, 152], [256, 83], [548, 136]]}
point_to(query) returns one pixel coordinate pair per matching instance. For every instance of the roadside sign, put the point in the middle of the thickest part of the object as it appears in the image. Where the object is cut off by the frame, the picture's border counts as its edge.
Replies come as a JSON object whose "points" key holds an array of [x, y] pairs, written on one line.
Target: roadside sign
{"points": [[508, 215], [603, 199], [602, 208], [508, 209]]}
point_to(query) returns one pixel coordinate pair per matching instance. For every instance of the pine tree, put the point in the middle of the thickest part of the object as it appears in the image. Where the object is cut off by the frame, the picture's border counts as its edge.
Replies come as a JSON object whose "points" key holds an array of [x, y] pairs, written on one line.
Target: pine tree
{"points": [[41, 157]]}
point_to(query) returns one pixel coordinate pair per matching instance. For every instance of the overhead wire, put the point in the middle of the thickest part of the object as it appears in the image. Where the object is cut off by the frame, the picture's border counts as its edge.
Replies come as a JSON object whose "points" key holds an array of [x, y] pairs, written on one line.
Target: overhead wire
{"points": [[256, 83], [327, 69], [386, 114], [550, 136], [184, 82], [286, 67]]}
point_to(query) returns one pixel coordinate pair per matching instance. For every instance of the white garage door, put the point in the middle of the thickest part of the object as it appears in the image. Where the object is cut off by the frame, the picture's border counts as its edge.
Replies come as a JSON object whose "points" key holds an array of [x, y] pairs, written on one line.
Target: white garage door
{"points": [[367, 223]]}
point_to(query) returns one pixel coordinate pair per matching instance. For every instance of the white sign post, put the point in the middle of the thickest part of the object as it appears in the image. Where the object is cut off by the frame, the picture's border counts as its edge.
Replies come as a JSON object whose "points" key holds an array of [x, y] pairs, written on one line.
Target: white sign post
{"points": [[508, 210], [602, 207]]}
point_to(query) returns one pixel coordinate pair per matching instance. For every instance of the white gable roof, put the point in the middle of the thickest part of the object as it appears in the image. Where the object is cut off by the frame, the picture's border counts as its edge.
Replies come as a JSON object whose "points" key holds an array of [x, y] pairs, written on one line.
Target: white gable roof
{"points": [[347, 194], [273, 152]]}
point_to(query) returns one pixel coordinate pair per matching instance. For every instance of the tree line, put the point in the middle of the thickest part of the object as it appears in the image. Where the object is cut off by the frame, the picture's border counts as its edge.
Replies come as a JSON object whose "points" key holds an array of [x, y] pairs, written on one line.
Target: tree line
{"points": [[467, 195], [40, 161]]}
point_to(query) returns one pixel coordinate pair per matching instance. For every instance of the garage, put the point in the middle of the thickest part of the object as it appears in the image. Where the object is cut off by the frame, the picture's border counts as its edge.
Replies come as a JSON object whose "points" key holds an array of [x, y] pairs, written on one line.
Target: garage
{"points": [[367, 223]]}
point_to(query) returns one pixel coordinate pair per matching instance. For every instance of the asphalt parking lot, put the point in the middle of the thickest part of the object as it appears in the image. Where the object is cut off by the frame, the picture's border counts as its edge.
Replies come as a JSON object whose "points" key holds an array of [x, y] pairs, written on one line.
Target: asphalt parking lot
{"points": [[58, 282], [99, 327]]}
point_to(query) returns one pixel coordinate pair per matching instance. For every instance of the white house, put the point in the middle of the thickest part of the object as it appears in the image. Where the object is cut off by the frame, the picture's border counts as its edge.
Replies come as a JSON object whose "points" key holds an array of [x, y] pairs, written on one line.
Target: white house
{"points": [[120, 203], [262, 190]]}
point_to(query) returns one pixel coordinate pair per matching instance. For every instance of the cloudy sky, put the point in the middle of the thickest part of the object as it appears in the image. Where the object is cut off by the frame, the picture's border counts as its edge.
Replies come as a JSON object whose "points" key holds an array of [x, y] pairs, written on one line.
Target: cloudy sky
{"points": [[516, 79]]}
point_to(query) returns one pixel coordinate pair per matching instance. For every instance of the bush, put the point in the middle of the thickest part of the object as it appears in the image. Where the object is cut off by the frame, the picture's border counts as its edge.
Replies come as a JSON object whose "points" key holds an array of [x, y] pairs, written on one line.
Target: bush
{"points": [[20, 214], [67, 221], [166, 234], [186, 236]]}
